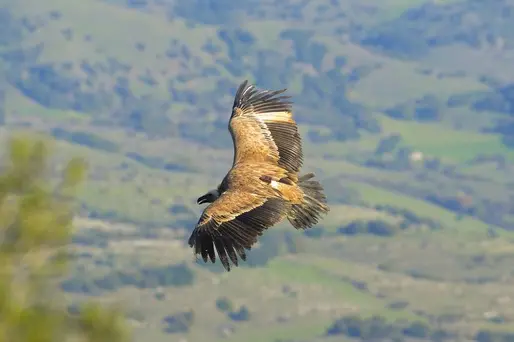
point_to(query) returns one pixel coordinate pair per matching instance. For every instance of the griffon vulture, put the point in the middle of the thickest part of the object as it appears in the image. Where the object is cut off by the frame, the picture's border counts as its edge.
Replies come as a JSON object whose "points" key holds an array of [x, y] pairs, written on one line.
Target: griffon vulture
{"points": [[263, 186]]}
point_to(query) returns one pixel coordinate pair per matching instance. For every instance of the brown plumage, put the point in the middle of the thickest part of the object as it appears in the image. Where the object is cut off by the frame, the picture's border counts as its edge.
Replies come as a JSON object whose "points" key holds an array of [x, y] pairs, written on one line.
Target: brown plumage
{"points": [[263, 186]]}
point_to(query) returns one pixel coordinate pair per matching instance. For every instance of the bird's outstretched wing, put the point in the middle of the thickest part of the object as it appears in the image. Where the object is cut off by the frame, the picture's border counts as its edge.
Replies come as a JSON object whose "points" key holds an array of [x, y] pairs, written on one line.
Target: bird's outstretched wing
{"points": [[232, 224], [263, 128]]}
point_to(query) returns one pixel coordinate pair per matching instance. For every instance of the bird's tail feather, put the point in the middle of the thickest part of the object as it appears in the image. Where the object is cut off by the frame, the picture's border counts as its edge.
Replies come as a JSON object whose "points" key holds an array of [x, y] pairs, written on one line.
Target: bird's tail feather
{"points": [[314, 205]]}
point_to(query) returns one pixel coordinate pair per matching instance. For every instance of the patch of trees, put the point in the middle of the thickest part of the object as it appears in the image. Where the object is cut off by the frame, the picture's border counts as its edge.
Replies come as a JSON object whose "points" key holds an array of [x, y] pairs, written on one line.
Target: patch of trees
{"points": [[88, 139], [271, 70], [404, 43], [500, 99], [236, 67], [137, 4], [409, 217], [53, 88], [504, 126], [180, 209], [108, 215], [2, 103], [214, 134], [488, 210], [237, 40], [339, 193], [226, 306], [98, 236], [241, 315], [179, 323], [492, 102], [11, 29], [151, 277], [507, 139], [16, 58], [398, 305], [473, 23], [374, 227], [178, 49], [145, 223], [451, 203], [142, 114], [390, 155], [314, 232], [80, 284], [351, 117], [211, 12], [427, 108], [91, 237], [156, 162], [326, 93], [377, 328], [58, 86], [272, 244], [305, 49], [383, 228], [224, 12], [494, 336], [470, 99], [388, 144], [211, 47]]}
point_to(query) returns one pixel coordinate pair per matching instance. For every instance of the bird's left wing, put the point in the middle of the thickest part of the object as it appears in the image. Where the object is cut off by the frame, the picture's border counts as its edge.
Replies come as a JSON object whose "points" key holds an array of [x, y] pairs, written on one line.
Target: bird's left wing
{"points": [[262, 117], [233, 223]]}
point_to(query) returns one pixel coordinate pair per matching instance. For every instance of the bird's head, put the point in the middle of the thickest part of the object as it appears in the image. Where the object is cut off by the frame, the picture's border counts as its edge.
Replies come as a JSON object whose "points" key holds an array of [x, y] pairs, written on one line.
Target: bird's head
{"points": [[209, 197]]}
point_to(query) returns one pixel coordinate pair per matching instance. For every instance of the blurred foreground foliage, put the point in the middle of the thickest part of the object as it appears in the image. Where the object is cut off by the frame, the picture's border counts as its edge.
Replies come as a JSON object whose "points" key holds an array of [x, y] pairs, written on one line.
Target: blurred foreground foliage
{"points": [[36, 217]]}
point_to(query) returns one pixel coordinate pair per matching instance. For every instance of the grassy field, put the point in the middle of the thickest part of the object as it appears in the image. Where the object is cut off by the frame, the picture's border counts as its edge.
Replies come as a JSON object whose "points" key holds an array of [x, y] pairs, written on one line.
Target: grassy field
{"points": [[446, 143], [396, 81], [310, 289]]}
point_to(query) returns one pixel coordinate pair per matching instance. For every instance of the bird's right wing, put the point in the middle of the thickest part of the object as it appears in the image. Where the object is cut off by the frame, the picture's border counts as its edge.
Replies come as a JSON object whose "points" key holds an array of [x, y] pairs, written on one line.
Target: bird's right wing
{"points": [[233, 223]]}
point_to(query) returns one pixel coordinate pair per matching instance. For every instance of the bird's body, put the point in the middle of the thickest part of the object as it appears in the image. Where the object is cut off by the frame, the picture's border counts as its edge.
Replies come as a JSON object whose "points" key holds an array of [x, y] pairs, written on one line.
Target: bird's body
{"points": [[263, 186]]}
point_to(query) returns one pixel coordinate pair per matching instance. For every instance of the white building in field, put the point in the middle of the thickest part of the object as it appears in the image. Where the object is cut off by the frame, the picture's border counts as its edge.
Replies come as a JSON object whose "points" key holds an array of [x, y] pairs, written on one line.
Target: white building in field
{"points": [[416, 156]]}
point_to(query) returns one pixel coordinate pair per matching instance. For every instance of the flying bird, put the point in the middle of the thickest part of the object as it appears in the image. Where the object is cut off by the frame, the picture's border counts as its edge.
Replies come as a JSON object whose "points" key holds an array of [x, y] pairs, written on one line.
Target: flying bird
{"points": [[263, 187]]}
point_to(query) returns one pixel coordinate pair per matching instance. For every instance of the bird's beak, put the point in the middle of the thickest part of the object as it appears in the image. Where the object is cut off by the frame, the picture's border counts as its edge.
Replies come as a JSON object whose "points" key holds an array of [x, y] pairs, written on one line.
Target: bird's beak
{"points": [[201, 200]]}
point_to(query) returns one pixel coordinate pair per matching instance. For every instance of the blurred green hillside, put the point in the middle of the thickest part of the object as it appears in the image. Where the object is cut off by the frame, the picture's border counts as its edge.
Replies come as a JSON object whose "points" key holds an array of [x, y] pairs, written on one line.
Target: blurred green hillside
{"points": [[406, 110]]}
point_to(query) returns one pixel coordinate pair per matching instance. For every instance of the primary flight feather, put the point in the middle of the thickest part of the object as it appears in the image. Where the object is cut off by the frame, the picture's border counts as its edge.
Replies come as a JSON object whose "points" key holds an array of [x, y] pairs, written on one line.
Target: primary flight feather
{"points": [[263, 186]]}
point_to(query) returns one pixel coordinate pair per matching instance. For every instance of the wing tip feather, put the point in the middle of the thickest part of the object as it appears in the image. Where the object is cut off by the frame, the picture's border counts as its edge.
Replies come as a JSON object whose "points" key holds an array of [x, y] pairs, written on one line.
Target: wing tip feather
{"points": [[208, 241], [263, 100], [230, 239]]}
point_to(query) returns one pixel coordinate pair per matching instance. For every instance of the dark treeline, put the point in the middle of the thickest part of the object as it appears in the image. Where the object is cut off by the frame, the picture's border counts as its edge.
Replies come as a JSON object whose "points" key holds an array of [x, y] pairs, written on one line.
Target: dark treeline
{"points": [[145, 278]]}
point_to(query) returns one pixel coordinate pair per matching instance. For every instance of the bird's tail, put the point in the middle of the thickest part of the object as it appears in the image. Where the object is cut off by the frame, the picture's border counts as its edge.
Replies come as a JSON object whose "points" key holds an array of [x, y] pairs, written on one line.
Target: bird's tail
{"points": [[314, 205]]}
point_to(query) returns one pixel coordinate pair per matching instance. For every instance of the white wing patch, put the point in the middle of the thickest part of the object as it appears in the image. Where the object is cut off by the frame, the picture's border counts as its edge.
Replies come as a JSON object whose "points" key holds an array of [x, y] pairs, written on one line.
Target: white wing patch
{"points": [[274, 184]]}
